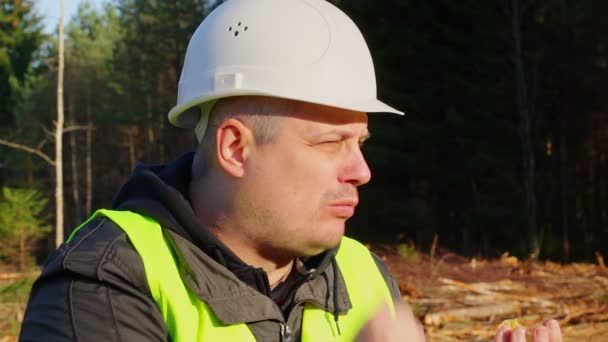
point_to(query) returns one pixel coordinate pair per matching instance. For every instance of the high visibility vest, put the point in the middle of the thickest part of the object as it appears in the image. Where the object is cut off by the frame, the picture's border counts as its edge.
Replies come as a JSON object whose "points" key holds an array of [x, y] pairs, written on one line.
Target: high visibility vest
{"points": [[189, 319]]}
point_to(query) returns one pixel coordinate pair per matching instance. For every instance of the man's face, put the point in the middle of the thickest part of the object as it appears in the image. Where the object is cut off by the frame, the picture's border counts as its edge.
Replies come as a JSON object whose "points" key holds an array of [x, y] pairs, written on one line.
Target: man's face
{"points": [[302, 187]]}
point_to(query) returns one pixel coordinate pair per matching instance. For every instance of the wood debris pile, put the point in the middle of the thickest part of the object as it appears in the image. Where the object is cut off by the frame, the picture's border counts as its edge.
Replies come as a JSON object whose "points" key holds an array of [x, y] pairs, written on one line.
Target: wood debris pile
{"points": [[461, 299]]}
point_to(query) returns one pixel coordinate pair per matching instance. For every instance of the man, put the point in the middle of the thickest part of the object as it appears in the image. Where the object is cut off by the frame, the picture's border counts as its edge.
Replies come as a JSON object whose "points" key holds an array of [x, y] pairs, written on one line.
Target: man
{"points": [[241, 240]]}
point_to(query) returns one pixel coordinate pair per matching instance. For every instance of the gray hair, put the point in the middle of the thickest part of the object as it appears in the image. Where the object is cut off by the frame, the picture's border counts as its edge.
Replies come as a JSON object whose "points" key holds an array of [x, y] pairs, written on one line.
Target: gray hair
{"points": [[260, 113]]}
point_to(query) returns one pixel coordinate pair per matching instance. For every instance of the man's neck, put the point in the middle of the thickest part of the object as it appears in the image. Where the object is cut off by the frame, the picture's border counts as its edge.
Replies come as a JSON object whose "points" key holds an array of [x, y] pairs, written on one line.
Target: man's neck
{"points": [[274, 283], [277, 267], [208, 211]]}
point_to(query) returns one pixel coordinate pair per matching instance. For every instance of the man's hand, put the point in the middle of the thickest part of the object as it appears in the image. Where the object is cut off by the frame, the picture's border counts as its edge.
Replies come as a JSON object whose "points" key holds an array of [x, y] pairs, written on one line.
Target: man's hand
{"points": [[403, 327], [547, 332]]}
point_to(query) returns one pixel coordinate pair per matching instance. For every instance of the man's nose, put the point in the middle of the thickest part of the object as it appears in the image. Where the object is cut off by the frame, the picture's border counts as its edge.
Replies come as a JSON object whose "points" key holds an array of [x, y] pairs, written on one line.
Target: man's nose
{"points": [[356, 170]]}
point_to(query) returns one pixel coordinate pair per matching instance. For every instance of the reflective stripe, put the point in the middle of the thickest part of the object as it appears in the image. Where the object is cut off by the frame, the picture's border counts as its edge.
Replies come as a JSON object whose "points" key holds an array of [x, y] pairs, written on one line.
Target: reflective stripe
{"points": [[189, 319]]}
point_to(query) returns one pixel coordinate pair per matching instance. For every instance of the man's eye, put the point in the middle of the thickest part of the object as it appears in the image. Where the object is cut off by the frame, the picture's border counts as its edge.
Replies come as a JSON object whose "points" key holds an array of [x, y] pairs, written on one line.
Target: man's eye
{"points": [[330, 145]]}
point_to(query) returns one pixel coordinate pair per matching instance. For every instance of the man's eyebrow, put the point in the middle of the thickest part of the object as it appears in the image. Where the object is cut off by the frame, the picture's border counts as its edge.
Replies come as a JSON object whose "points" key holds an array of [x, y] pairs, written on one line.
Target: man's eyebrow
{"points": [[342, 133]]}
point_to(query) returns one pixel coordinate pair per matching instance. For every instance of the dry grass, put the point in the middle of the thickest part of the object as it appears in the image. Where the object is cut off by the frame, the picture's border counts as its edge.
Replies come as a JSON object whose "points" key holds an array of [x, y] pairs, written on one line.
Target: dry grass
{"points": [[14, 293]]}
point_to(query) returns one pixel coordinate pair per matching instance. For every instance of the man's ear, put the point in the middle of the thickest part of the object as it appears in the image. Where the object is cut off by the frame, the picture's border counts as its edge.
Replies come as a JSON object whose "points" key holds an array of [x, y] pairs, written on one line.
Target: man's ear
{"points": [[234, 142]]}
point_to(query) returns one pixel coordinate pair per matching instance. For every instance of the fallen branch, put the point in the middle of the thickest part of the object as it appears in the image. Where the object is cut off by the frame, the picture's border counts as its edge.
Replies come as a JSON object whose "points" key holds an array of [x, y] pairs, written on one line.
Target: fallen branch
{"points": [[477, 312], [474, 288], [580, 313]]}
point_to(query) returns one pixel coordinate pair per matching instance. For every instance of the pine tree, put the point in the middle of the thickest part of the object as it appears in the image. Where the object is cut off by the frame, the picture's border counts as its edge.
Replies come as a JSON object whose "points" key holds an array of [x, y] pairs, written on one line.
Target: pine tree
{"points": [[22, 223], [20, 37]]}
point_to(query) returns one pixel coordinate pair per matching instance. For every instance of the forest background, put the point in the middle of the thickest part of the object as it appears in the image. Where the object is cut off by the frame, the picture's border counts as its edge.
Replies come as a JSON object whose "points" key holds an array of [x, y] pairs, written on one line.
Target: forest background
{"points": [[503, 146]]}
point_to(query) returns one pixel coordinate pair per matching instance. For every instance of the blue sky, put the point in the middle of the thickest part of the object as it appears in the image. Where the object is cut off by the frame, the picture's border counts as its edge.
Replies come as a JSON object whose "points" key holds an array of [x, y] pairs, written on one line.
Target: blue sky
{"points": [[49, 9]]}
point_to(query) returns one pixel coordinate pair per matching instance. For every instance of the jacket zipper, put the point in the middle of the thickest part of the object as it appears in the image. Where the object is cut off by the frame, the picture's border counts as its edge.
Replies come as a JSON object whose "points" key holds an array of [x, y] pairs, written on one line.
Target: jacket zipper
{"points": [[285, 333]]}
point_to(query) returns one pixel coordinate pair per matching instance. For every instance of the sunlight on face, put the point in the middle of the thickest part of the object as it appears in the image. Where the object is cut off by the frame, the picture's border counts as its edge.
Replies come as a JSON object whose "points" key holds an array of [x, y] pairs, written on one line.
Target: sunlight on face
{"points": [[303, 187]]}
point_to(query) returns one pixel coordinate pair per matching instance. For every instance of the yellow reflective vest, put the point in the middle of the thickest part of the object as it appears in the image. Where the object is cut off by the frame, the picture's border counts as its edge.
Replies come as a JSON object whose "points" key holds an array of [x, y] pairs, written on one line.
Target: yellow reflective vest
{"points": [[189, 319]]}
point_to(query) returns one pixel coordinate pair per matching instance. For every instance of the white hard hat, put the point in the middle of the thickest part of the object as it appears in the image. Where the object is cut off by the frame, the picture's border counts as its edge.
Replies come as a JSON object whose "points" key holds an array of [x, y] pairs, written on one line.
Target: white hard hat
{"points": [[306, 50]]}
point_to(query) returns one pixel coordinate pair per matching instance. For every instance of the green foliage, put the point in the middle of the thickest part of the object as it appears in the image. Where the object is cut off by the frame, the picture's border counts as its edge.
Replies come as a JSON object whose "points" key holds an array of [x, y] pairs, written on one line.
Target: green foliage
{"points": [[408, 253], [13, 298], [22, 222], [149, 56], [20, 38], [17, 291], [91, 38]]}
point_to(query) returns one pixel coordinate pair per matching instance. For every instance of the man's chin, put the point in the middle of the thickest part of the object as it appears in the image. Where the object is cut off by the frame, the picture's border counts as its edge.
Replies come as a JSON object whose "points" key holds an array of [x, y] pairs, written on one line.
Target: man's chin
{"points": [[321, 246]]}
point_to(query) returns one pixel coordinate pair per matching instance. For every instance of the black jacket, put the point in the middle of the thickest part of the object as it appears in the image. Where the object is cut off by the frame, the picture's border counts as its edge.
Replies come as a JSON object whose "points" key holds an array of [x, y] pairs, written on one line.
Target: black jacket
{"points": [[95, 289]]}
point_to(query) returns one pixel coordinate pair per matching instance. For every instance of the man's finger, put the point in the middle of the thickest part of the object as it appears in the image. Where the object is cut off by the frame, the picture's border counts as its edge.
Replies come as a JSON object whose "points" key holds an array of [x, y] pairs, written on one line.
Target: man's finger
{"points": [[503, 334], [383, 328], [540, 334], [555, 332], [519, 335], [404, 313]]}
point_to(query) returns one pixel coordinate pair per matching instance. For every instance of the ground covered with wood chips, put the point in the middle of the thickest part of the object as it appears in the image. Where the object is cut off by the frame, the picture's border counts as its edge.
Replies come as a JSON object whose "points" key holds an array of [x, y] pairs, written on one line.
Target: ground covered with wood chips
{"points": [[457, 299], [460, 299]]}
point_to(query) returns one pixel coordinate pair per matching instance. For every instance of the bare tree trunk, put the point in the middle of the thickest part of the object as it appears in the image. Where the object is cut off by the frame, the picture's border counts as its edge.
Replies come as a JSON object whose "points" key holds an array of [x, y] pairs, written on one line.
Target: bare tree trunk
{"points": [[601, 172], [150, 125], [30, 171], [89, 157], [525, 131], [75, 178], [59, 139], [161, 125], [593, 210], [565, 204], [131, 137], [161, 144], [476, 204], [21, 248], [564, 190]]}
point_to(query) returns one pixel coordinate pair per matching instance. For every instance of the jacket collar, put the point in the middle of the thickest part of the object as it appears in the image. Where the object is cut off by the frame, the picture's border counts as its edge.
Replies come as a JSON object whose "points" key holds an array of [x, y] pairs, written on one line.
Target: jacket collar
{"points": [[234, 301]]}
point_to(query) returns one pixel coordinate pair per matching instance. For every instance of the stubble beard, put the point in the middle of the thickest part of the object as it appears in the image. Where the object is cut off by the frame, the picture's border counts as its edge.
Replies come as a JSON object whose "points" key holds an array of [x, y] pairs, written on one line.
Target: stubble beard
{"points": [[274, 233]]}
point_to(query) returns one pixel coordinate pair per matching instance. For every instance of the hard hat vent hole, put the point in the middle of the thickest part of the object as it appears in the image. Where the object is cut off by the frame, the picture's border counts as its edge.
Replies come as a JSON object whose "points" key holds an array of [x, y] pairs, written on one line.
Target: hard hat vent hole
{"points": [[238, 28]]}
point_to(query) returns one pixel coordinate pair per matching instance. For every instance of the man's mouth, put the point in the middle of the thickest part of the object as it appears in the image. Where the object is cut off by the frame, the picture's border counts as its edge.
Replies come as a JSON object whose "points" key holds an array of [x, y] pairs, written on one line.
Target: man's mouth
{"points": [[343, 208]]}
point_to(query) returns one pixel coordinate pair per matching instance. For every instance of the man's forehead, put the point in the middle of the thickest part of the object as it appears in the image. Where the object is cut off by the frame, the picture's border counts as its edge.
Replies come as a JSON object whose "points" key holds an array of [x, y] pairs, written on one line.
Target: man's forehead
{"points": [[328, 115], [324, 128]]}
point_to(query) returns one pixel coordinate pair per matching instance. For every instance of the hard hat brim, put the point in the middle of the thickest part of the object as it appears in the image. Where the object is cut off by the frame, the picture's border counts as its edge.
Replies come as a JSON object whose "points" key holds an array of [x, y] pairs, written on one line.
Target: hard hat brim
{"points": [[185, 120]]}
